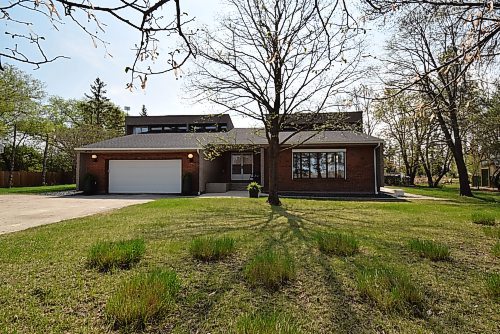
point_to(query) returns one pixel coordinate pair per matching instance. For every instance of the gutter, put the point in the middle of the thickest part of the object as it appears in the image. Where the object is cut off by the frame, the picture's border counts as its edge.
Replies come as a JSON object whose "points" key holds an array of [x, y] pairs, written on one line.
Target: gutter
{"points": [[132, 149]]}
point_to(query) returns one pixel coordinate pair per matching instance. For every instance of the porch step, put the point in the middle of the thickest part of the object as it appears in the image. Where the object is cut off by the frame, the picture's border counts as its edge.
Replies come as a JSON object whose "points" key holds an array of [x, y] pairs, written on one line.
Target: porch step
{"points": [[238, 186]]}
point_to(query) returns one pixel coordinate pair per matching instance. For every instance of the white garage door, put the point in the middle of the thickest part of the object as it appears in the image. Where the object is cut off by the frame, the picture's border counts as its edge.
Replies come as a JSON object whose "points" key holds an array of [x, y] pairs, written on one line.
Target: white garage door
{"points": [[145, 176]]}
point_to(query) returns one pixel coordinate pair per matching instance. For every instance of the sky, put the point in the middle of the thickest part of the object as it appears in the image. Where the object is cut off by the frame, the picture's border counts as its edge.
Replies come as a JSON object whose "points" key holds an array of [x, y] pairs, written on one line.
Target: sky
{"points": [[71, 78]]}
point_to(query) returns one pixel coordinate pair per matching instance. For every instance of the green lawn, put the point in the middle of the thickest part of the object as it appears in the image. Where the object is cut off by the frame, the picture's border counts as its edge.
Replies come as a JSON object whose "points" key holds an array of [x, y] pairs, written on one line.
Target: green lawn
{"points": [[36, 190], [451, 192], [46, 285]]}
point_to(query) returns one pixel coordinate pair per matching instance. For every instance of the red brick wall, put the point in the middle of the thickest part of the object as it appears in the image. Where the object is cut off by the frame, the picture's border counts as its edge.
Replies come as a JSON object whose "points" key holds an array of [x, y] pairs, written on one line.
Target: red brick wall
{"points": [[100, 167], [359, 172]]}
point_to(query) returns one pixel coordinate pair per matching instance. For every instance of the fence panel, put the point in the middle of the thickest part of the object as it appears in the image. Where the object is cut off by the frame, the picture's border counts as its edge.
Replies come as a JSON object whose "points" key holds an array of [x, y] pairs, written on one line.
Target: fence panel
{"points": [[33, 179]]}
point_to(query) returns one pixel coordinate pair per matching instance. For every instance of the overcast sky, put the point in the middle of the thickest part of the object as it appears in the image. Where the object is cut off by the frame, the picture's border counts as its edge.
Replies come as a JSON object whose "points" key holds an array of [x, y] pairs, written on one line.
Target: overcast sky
{"points": [[71, 78]]}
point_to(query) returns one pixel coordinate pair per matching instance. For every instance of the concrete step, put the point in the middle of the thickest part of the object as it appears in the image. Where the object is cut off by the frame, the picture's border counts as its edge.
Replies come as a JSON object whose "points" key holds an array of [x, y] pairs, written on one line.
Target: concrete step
{"points": [[238, 186]]}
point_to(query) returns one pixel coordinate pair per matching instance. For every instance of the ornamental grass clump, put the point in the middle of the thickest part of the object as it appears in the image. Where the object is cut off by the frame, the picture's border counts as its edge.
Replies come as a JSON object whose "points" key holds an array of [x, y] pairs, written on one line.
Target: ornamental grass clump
{"points": [[270, 269], [483, 218], [267, 322], [107, 255], [430, 249], [212, 249], [338, 244], [143, 299], [391, 289]]}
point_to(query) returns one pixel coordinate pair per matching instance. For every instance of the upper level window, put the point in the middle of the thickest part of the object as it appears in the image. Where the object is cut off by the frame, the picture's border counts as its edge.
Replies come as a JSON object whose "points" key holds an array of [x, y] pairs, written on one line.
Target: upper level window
{"points": [[319, 165], [140, 129]]}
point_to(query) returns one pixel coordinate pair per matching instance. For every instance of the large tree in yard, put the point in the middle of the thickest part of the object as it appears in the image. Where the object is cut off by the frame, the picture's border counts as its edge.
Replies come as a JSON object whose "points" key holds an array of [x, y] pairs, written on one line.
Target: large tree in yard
{"points": [[422, 58], [272, 59]]}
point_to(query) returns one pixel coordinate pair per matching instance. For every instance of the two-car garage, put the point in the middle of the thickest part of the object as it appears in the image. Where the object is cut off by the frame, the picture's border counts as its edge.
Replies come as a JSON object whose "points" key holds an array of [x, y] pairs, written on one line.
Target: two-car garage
{"points": [[145, 176]]}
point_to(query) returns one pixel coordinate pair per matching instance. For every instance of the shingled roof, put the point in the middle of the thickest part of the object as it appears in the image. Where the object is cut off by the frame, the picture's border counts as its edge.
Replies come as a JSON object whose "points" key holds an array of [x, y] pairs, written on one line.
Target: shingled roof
{"points": [[237, 136]]}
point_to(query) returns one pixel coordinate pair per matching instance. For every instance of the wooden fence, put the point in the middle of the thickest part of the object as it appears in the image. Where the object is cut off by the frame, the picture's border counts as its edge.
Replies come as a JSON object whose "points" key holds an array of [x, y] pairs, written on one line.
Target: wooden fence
{"points": [[33, 179]]}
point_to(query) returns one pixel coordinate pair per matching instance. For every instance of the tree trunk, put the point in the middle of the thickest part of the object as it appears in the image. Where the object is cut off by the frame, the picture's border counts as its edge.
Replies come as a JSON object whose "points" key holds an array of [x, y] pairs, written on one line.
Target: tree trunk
{"points": [[12, 158], [44, 162], [463, 176], [274, 149]]}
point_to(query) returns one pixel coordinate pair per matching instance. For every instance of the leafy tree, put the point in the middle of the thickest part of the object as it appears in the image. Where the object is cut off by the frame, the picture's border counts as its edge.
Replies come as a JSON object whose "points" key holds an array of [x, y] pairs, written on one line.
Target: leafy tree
{"points": [[20, 98]]}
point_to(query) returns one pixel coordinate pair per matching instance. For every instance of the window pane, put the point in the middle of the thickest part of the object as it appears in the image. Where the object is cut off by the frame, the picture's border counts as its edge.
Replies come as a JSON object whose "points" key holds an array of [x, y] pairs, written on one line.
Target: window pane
{"points": [[322, 165], [296, 165], [331, 164], [305, 171], [314, 165], [341, 165]]}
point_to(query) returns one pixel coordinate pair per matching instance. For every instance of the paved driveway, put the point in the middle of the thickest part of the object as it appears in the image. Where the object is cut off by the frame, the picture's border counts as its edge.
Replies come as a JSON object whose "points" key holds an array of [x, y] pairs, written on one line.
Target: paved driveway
{"points": [[19, 212]]}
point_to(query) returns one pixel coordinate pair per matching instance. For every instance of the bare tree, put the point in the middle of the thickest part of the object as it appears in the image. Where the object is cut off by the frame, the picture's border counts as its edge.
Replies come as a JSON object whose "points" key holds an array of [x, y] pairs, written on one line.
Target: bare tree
{"points": [[273, 59], [147, 17], [363, 98], [479, 22], [424, 43]]}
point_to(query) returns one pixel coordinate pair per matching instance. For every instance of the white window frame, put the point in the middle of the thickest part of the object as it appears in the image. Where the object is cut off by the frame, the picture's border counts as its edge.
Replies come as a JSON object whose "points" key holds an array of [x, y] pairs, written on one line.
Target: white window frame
{"points": [[322, 150]]}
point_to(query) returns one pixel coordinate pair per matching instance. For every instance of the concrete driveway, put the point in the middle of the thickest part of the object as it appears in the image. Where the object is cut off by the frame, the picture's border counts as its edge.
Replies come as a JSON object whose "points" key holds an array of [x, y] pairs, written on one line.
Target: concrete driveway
{"points": [[19, 212]]}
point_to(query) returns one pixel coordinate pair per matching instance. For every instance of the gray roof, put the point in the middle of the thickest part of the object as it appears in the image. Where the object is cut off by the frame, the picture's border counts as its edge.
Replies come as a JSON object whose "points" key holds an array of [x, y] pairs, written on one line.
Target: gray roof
{"points": [[177, 119], [237, 136]]}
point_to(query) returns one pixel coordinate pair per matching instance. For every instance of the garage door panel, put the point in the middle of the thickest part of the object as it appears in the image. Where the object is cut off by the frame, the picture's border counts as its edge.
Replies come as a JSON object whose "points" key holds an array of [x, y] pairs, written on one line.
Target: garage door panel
{"points": [[145, 176]]}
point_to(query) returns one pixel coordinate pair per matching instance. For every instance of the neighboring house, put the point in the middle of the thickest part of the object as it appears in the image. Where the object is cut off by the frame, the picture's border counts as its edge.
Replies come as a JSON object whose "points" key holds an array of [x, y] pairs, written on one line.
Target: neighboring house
{"points": [[160, 152], [489, 173]]}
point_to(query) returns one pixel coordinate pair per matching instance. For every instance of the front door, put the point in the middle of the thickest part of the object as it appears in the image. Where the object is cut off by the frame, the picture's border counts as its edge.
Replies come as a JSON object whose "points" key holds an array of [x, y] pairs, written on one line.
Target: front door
{"points": [[241, 166], [485, 177]]}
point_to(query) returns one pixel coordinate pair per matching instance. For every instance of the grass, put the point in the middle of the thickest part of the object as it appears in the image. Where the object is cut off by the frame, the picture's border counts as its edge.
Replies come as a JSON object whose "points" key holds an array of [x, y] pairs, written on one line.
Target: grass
{"points": [[267, 322], [46, 287], [493, 285], [143, 299], [107, 255], [491, 231], [270, 269], [391, 289], [338, 244], [496, 249], [483, 218], [37, 190], [430, 249], [211, 249], [451, 192]]}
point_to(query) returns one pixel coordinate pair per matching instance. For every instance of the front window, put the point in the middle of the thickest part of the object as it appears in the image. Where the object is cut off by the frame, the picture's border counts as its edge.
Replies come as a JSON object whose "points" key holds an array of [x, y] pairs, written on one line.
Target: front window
{"points": [[318, 165]]}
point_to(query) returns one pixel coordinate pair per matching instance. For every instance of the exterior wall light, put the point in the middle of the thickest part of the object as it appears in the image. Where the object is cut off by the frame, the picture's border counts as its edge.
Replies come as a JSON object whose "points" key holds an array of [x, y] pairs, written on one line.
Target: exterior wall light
{"points": [[190, 157], [94, 157]]}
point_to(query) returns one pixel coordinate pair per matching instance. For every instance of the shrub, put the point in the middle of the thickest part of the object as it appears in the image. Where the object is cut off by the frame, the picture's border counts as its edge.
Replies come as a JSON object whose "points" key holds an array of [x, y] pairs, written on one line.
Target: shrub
{"points": [[338, 244], [390, 288], [266, 322], [143, 299], [106, 255], [493, 285], [430, 249], [211, 249], [483, 218], [270, 269], [496, 249]]}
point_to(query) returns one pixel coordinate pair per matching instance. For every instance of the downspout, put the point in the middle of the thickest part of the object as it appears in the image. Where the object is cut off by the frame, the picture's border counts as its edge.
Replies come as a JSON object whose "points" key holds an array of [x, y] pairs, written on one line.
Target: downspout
{"points": [[375, 167], [200, 181]]}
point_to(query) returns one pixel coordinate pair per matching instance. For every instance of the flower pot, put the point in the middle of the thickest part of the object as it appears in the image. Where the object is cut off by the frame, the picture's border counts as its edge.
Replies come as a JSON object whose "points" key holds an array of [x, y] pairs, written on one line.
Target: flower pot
{"points": [[254, 193]]}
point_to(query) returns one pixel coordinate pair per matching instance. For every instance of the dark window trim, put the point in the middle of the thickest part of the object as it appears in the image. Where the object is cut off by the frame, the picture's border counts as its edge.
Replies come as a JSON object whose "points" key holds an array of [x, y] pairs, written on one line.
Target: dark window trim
{"points": [[318, 152]]}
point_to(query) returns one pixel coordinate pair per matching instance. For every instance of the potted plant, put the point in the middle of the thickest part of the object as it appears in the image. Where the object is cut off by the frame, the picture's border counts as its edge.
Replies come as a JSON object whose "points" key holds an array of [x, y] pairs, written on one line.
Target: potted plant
{"points": [[89, 184], [254, 189]]}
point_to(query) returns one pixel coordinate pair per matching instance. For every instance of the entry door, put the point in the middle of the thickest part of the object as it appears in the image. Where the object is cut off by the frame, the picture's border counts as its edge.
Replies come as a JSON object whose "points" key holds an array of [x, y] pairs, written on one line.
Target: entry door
{"points": [[485, 177], [241, 166]]}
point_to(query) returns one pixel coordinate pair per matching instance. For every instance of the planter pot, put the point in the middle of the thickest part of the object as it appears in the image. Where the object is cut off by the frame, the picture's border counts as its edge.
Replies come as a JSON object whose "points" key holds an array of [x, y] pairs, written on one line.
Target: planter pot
{"points": [[254, 193]]}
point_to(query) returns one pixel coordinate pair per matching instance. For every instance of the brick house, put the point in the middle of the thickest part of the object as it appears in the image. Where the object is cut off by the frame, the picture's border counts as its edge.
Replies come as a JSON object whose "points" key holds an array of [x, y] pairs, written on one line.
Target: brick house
{"points": [[161, 154]]}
